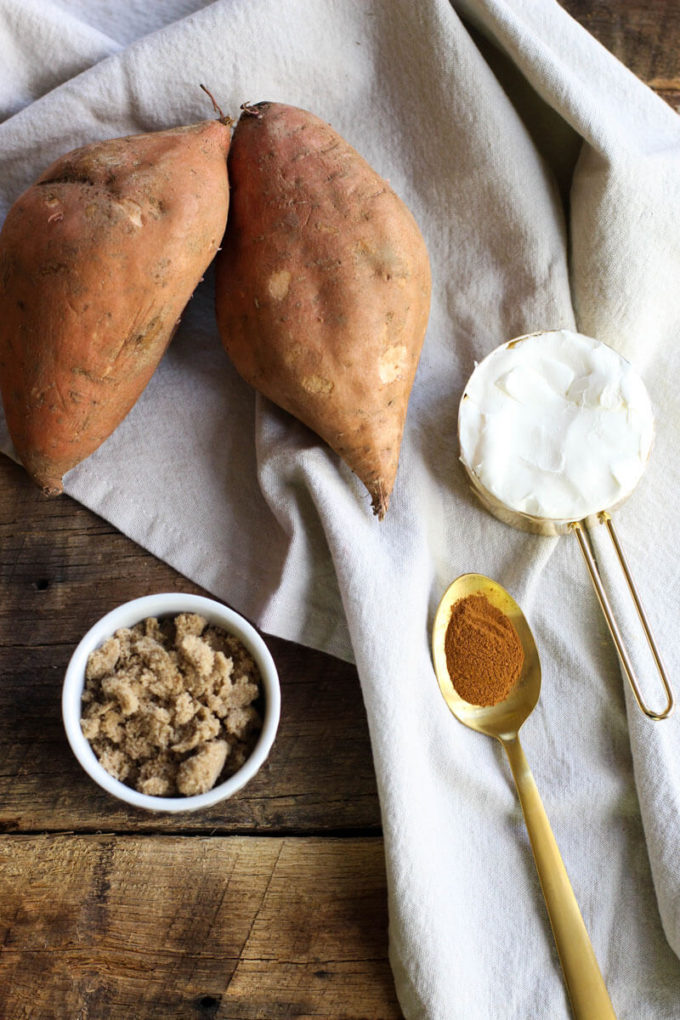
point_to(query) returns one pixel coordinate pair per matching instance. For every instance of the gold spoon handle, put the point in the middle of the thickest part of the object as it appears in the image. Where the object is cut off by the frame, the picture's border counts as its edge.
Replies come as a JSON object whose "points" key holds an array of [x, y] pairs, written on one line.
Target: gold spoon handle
{"points": [[585, 984]]}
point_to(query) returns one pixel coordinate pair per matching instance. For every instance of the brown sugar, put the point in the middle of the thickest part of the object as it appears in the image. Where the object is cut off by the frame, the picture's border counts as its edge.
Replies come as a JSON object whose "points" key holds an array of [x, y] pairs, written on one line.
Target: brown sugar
{"points": [[171, 706], [484, 654]]}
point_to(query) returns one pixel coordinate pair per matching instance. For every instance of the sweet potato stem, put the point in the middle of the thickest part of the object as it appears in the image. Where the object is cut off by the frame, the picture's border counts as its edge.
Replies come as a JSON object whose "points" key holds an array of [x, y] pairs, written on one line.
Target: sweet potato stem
{"points": [[223, 118]]}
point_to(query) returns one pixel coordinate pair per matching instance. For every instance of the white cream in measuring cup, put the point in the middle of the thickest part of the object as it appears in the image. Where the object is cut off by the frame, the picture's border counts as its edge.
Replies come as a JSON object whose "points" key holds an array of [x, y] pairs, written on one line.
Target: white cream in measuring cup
{"points": [[555, 431], [556, 425]]}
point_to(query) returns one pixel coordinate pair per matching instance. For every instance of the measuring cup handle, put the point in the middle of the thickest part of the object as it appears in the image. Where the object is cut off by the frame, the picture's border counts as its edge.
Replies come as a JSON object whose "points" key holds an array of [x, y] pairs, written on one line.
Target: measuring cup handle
{"points": [[605, 605], [585, 985]]}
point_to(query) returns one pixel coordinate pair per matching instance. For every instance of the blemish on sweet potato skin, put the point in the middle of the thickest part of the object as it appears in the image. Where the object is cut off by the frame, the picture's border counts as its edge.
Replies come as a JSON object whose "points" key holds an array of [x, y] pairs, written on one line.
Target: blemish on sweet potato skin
{"points": [[338, 345], [97, 261], [278, 284]]}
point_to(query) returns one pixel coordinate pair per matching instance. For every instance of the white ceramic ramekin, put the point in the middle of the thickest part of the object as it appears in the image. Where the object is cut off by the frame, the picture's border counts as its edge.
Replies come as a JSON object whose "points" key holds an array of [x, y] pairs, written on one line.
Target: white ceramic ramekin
{"points": [[163, 605]]}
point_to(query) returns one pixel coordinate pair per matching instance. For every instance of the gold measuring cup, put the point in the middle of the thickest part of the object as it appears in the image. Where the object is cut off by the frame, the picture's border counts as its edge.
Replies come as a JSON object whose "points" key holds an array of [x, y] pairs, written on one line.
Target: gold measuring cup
{"points": [[580, 527]]}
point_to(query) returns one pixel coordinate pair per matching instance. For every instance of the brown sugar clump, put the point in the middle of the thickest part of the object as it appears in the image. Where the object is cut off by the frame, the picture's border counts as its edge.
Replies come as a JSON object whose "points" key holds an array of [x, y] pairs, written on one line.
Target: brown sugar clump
{"points": [[202, 767], [484, 654], [171, 706]]}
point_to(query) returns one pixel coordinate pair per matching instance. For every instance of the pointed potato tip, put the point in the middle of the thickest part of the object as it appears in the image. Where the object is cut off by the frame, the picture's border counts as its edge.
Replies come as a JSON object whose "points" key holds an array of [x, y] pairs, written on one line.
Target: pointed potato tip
{"points": [[51, 488], [380, 500], [49, 484]]}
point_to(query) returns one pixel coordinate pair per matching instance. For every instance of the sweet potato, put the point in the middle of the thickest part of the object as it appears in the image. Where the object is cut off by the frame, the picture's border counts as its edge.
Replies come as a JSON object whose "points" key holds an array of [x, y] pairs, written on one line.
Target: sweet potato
{"points": [[97, 262], [322, 287]]}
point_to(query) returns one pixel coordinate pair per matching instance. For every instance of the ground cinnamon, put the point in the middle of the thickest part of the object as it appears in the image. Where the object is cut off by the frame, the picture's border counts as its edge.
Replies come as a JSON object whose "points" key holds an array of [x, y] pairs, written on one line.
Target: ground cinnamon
{"points": [[484, 654]]}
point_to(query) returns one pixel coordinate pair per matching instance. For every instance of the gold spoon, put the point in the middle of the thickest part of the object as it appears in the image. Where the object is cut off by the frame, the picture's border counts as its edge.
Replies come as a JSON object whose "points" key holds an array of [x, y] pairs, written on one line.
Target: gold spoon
{"points": [[585, 985]]}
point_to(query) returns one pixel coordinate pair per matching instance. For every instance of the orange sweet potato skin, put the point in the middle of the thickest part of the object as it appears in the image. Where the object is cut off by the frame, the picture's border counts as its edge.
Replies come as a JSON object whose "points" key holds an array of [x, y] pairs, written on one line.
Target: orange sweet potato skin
{"points": [[322, 287], [97, 262]]}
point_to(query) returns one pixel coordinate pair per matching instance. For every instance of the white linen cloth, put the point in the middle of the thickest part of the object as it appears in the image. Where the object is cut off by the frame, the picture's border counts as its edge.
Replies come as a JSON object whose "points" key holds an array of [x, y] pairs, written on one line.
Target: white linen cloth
{"points": [[546, 181]]}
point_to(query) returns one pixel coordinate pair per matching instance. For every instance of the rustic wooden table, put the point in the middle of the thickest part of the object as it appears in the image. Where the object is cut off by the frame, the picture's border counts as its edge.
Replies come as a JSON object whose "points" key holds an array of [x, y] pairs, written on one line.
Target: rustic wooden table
{"points": [[273, 905]]}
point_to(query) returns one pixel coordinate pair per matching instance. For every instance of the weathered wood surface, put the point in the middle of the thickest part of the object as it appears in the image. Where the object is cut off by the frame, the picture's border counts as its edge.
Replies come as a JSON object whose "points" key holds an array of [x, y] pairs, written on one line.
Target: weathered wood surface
{"points": [[163, 926], [271, 924], [61, 568], [255, 908], [643, 34]]}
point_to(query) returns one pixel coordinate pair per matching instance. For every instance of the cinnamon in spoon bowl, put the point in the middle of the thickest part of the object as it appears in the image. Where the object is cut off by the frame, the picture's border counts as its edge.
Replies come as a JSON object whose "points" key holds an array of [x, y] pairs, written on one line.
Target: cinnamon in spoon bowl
{"points": [[484, 655]]}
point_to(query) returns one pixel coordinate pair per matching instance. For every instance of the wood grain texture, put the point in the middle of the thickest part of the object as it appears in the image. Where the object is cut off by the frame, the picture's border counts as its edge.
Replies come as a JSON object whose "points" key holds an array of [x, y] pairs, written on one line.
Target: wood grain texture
{"points": [[643, 34], [238, 928], [61, 568]]}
